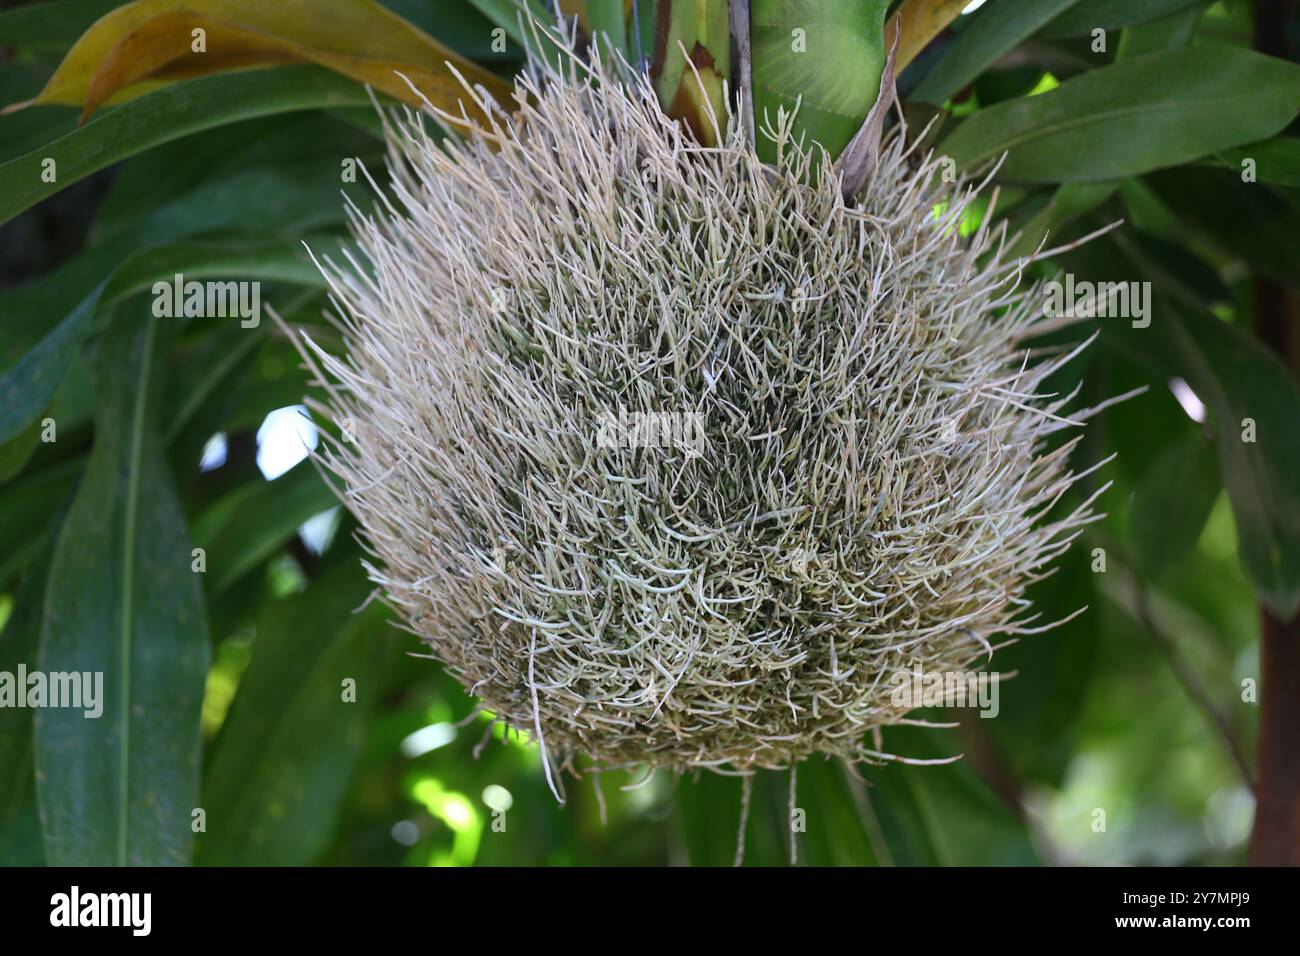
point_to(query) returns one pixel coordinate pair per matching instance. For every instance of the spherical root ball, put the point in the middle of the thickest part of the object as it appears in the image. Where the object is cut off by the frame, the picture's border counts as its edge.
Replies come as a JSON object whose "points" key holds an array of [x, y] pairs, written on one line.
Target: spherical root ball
{"points": [[677, 459]]}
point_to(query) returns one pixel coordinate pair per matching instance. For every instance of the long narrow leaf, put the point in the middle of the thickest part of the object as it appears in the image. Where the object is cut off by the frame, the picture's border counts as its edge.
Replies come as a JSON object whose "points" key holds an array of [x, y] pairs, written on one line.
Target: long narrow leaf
{"points": [[26, 389], [1133, 116], [995, 29], [167, 115], [284, 757], [119, 787]]}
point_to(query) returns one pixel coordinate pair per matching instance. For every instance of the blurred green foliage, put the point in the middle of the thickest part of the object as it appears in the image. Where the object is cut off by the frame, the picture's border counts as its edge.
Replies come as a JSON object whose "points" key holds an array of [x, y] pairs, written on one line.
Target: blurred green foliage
{"points": [[227, 175]]}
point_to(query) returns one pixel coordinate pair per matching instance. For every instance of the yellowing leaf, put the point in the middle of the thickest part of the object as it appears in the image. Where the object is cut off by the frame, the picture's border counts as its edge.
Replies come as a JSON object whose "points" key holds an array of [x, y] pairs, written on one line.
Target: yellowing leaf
{"points": [[152, 49], [692, 62], [135, 46], [920, 22]]}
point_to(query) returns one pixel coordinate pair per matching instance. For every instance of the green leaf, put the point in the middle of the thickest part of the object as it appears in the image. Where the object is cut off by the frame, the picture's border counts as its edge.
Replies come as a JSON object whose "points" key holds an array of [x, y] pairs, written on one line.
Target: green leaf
{"points": [[1170, 32], [1275, 160], [20, 841], [1069, 202], [508, 15], [641, 32], [1172, 503], [27, 510], [166, 115], [1109, 14], [269, 260], [942, 815], [260, 196], [1238, 380], [26, 389], [23, 132], [824, 55], [28, 312], [995, 29], [1134, 115], [147, 43], [841, 828], [606, 17], [1036, 728], [123, 601], [459, 25], [839, 832], [261, 177], [903, 815], [17, 451], [1244, 221], [209, 377], [287, 750], [253, 522], [277, 381], [52, 25], [526, 22], [18, 642]]}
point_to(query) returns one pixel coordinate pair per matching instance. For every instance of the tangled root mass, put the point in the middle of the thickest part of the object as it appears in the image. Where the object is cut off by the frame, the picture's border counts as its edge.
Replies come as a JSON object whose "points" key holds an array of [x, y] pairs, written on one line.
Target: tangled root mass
{"points": [[870, 489]]}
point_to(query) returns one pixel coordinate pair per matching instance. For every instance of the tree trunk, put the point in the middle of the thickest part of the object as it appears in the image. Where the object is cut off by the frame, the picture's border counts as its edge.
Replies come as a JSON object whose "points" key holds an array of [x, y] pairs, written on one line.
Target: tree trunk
{"points": [[1275, 840]]}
